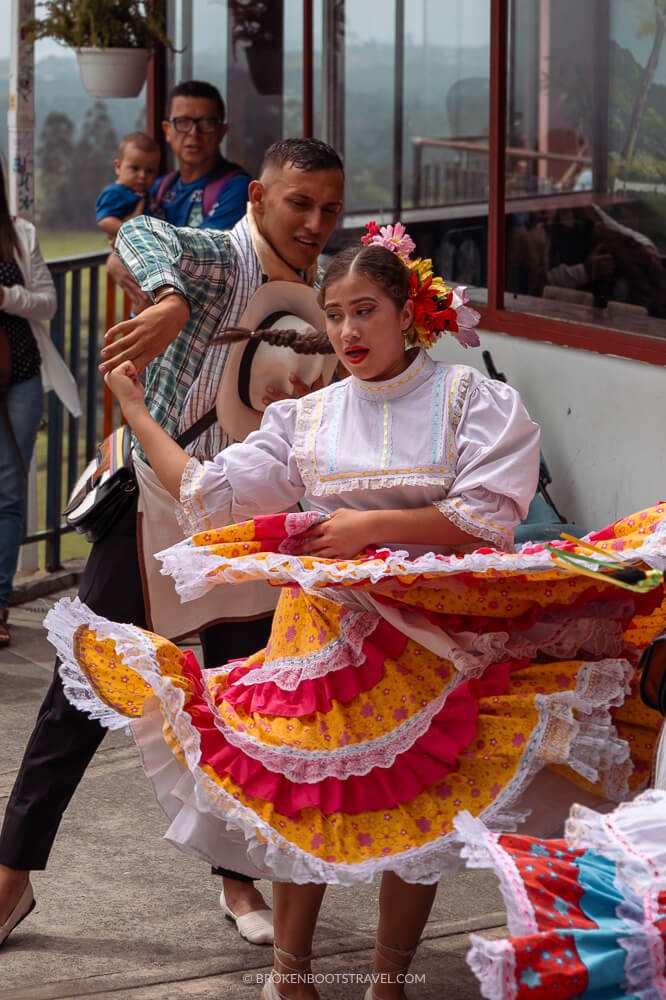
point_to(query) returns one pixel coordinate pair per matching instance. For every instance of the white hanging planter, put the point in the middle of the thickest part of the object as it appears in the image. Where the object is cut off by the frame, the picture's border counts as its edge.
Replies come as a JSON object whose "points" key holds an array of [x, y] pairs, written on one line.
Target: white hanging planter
{"points": [[112, 72]]}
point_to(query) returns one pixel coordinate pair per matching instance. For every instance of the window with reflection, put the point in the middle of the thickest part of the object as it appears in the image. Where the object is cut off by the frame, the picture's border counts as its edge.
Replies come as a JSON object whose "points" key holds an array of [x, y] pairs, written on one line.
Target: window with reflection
{"points": [[369, 66], [585, 162], [446, 132]]}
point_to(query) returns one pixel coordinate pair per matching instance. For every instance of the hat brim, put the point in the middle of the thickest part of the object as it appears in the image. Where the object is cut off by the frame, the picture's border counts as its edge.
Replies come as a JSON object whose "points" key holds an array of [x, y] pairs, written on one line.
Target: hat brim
{"points": [[235, 417]]}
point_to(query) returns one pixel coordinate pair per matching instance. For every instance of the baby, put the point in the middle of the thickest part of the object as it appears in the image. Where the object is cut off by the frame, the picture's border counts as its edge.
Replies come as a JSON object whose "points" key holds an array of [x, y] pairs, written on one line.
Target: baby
{"points": [[136, 168]]}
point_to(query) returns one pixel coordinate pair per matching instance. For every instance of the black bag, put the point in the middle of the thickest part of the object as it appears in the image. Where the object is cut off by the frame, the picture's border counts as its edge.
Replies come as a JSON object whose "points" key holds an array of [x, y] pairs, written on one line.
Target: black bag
{"points": [[106, 489], [108, 485], [652, 665]]}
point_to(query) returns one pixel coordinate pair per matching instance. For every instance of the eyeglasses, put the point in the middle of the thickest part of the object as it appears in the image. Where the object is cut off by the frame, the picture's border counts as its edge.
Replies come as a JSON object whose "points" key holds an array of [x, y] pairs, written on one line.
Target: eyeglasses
{"points": [[184, 124]]}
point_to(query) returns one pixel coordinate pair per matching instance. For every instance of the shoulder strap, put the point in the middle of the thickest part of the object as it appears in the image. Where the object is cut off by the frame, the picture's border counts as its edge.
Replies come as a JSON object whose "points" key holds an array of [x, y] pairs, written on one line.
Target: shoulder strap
{"points": [[165, 184], [197, 428], [212, 189]]}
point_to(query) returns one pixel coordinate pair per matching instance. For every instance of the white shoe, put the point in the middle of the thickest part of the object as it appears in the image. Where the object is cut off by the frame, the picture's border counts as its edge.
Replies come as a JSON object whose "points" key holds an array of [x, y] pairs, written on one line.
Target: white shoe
{"points": [[256, 927], [271, 992], [25, 904]]}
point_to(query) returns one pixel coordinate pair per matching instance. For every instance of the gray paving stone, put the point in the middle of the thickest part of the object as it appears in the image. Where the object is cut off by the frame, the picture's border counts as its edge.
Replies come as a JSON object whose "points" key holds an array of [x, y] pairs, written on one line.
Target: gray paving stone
{"points": [[120, 913]]}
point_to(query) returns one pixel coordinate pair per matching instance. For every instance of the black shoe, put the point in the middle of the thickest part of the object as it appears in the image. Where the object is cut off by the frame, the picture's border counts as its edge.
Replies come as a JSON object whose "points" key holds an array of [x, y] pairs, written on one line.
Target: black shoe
{"points": [[5, 638]]}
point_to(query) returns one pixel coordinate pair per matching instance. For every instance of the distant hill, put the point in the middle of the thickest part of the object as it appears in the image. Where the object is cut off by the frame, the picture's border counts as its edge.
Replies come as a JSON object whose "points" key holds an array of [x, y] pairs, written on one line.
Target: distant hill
{"points": [[444, 93]]}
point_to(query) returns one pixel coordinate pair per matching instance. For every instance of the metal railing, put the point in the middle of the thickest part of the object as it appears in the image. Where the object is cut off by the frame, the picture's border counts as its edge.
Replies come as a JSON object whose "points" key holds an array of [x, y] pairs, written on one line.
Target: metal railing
{"points": [[465, 176], [71, 442]]}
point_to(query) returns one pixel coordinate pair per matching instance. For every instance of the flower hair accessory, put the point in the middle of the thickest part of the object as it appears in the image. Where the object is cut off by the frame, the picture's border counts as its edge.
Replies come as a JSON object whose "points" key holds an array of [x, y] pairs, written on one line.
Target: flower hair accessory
{"points": [[438, 308]]}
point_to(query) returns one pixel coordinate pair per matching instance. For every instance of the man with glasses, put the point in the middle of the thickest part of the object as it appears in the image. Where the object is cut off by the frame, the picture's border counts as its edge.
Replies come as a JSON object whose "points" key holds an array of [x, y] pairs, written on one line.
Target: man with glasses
{"points": [[194, 127]]}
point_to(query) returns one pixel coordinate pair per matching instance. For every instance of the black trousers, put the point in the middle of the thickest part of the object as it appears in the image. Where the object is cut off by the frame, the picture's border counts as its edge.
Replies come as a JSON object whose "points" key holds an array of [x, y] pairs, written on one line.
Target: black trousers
{"points": [[64, 740]]}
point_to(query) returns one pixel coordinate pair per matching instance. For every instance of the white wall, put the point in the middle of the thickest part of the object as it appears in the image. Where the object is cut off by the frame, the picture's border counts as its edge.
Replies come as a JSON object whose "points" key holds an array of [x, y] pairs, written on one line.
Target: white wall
{"points": [[602, 420]]}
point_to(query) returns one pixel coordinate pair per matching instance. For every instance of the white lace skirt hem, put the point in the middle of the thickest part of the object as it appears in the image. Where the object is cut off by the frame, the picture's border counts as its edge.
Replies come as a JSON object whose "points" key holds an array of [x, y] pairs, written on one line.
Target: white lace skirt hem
{"points": [[197, 569]]}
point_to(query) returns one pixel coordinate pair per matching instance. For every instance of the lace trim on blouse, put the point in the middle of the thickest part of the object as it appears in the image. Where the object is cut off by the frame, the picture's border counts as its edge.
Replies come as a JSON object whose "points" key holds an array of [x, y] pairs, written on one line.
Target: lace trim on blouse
{"points": [[191, 515], [448, 410], [461, 514], [391, 385]]}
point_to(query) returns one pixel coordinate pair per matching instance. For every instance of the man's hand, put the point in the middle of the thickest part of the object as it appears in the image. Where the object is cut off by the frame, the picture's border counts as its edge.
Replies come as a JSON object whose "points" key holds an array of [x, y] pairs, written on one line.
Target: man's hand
{"points": [[116, 269], [145, 336], [344, 534], [300, 389], [124, 383]]}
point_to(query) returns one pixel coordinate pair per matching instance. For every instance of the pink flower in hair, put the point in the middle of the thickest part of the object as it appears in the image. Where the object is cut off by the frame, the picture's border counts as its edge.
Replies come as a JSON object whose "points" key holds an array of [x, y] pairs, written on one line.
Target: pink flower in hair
{"points": [[397, 239], [466, 337], [393, 238]]}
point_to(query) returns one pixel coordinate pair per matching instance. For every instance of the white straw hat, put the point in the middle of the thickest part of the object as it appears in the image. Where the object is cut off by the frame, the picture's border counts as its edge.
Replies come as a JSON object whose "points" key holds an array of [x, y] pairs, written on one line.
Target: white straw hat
{"points": [[252, 365]]}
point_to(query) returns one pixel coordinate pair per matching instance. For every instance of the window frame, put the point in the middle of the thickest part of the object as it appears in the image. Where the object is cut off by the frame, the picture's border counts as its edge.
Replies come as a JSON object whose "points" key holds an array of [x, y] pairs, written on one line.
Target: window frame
{"points": [[494, 316]]}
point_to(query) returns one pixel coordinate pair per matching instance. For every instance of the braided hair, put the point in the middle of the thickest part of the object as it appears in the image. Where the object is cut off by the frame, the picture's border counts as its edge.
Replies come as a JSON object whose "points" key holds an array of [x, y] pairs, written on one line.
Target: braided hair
{"points": [[313, 342]]}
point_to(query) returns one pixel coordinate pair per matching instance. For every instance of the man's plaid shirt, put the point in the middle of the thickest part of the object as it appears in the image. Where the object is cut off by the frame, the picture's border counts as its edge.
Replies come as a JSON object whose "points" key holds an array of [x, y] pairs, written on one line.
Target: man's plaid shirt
{"points": [[201, 264]]}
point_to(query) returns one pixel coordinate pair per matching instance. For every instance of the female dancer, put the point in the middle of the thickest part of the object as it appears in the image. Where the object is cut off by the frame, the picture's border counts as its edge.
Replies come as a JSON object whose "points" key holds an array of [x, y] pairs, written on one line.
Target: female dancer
{"points": [[397, 687]]}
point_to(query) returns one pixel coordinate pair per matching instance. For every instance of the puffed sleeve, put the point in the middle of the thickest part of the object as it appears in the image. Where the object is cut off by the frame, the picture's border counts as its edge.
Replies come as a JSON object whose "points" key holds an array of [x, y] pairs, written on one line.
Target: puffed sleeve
{"points": [[257, 476], [497, 467]]}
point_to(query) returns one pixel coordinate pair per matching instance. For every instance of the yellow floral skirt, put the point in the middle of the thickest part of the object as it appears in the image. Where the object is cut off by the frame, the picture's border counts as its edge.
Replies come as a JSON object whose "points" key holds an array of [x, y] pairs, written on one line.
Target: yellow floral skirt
{"points": [[393, 694]]}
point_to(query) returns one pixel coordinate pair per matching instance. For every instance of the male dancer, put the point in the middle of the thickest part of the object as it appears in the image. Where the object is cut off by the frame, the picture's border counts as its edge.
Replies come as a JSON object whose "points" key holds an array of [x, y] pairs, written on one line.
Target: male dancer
{"points": [[199, 281]]}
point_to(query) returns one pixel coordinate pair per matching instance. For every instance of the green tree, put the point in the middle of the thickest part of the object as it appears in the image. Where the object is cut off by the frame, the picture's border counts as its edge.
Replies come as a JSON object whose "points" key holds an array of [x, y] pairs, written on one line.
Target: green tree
{"points": [[55, 182], [653, 23], [94, 154]]}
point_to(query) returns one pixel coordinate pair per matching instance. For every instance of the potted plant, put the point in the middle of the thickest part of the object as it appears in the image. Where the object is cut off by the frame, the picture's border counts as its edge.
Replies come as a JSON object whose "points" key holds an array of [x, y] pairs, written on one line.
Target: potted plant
{"points": [[259, 23], [112, 38]]}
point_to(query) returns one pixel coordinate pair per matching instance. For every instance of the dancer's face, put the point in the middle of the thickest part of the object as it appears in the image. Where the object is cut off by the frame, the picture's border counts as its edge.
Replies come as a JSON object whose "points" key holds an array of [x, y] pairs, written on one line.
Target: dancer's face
{"points": [[366, 328], [296, 210]]}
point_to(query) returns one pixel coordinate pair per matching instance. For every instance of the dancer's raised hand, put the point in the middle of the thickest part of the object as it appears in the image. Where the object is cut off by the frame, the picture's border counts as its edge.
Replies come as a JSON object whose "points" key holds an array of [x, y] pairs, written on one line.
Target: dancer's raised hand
{"points": [[124, 383]]}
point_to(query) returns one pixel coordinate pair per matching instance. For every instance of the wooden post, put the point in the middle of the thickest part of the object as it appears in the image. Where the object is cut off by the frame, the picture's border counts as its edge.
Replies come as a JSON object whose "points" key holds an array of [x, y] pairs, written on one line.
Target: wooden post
{"points": [[496, 166], [398, 106], [308, 71], [156, 82]]}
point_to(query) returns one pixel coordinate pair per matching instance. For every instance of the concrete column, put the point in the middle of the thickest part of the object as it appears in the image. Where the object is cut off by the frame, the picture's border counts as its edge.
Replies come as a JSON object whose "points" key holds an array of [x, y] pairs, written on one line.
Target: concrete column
{"points": [[21, 115], [21, 182]]}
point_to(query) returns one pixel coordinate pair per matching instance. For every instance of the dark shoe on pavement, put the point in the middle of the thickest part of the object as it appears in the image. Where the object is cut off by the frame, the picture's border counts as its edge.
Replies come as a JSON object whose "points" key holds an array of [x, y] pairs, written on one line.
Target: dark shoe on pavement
{"points": [[4, 629], [25, 904]]}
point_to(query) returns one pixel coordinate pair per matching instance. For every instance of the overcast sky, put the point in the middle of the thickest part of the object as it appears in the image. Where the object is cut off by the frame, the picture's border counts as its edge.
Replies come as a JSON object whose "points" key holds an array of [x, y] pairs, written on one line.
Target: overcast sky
{"points": [[465, 24], [444, 22]]}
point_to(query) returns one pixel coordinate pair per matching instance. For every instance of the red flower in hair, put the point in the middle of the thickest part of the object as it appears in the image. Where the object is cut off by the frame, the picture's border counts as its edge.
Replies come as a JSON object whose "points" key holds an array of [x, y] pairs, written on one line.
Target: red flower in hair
{"points": [[373, 230]]}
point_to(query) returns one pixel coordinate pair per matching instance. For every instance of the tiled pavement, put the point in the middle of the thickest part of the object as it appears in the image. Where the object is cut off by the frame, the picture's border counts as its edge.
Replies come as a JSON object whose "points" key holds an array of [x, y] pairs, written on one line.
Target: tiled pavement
{"points": [[121, 914]]}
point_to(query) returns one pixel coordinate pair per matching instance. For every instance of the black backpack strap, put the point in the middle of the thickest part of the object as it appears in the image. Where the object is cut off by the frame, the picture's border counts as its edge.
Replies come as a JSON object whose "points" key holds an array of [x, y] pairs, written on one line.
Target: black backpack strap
{"points": [[197, 428]]}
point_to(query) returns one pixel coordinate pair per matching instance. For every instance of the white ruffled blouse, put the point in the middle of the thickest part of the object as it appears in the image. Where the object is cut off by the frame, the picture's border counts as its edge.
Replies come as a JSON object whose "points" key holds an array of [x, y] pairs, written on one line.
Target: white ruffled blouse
{"points": [[436, 434]]}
